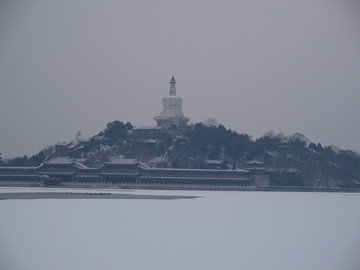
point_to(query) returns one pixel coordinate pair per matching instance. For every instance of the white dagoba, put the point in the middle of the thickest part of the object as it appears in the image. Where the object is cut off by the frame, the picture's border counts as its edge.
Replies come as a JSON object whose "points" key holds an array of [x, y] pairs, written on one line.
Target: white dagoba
{"points": [[172, 114]]}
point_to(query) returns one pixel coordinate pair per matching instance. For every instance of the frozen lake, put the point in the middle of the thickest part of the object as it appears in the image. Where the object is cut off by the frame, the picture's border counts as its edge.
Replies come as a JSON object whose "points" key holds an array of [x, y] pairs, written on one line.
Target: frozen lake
{"points": [[219, 230]]}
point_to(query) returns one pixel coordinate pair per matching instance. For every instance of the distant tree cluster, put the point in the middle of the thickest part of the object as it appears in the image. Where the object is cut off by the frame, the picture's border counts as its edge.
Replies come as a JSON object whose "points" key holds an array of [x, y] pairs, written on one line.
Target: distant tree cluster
{"points": [[219, 137], [32, 161], [241, 145], [116, 131]]}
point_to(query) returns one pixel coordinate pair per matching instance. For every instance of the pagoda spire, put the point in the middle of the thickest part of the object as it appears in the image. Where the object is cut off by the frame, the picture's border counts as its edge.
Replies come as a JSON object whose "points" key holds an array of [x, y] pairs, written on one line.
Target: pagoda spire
{"points": [[172, 91]]}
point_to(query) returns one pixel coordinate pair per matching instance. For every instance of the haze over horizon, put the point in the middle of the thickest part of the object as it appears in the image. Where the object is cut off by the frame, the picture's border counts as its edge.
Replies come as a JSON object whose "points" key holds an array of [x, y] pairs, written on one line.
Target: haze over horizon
{"points": [[255, 66]]}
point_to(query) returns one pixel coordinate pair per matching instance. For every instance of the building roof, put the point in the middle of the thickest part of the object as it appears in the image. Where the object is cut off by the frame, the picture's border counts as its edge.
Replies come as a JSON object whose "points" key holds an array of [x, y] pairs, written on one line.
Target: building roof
{"points": [[254, 162], [66, 144], [157, 159], [122, 161], [60, 160], [213, 161], [197, 170], [67, 161], [147, 127]]}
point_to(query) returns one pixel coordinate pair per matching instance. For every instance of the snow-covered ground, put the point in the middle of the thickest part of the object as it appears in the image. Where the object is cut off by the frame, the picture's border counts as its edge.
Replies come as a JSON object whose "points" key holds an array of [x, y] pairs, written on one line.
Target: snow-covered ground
{"points": [[219, 230]]}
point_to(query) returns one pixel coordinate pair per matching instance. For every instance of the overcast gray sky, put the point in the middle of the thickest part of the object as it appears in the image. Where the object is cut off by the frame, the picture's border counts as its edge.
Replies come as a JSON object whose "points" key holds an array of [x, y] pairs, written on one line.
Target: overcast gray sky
{"points": [[255, 66]]}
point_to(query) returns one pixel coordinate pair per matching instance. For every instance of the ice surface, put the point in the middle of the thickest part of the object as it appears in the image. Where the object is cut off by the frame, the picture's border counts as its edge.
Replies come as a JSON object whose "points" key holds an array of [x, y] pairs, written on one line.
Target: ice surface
{"points": [[220, 230]]}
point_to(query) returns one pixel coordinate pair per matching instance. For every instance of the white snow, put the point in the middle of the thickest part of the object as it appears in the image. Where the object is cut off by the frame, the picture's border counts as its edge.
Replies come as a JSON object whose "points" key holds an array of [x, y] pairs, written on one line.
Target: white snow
{"points": [[220, 230]]}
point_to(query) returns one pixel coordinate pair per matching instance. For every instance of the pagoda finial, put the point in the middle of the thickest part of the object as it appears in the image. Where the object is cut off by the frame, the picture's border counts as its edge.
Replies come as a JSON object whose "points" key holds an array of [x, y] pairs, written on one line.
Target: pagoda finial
{"points": [[172, 91]]}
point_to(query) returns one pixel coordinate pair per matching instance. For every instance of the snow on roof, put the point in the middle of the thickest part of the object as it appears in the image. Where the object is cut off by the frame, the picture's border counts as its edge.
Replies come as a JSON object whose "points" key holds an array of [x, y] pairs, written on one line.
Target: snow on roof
{"points": [[273, 153], [213, 161], [98, 137], [60, 160], [158, 159], [62, 143], [289, 170], [19, 175], [253, 162], [150, 141], [147, 127], [122, 161], [17, 168], [66, 144], [143, 165], [80, 165], [67, 160], [196, 170]]}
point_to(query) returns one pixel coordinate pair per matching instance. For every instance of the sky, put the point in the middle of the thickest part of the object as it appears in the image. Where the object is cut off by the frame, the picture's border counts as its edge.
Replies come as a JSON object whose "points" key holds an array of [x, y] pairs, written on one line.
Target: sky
{"points": [[255, 66]]}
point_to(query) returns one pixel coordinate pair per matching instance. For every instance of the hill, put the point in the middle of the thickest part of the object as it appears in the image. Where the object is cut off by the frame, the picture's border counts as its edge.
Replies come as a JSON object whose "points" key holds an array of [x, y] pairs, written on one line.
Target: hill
{"points": [[289, 160]]}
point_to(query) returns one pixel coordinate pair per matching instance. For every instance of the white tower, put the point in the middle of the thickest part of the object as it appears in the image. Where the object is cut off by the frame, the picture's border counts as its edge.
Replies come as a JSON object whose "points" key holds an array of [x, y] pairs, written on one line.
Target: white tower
{"points": [[171, 114]]}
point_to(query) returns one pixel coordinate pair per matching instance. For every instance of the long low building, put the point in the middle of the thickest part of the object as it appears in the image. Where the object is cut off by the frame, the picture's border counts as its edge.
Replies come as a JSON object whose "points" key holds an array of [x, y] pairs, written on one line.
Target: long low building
{"points": [[126, 173]]}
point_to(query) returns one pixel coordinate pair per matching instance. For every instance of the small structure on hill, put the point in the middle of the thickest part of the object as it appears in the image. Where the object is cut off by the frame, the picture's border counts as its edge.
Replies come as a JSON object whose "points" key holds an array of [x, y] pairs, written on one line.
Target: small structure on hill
{"points": [[65, 149]]}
